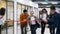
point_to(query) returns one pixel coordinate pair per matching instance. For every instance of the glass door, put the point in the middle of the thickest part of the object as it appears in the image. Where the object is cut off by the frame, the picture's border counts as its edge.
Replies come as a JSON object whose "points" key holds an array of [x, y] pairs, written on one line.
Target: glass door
{"points": [[10, 16], [19, 11]]}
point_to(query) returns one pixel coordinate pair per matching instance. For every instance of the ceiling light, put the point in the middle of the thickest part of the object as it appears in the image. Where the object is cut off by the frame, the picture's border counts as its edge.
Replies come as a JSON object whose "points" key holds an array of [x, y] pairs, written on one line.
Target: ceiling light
{"points": [[54, 2]]}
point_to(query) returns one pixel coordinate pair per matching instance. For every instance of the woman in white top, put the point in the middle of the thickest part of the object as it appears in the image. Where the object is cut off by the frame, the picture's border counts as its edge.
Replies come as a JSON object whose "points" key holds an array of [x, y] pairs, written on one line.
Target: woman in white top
{"points": [[43, 17]]}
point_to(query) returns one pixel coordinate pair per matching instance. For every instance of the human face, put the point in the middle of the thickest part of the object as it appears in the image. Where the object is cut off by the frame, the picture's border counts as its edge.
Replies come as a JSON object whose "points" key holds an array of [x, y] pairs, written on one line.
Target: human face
{"points": [[44, 11], [25, 12], [52, 11]]}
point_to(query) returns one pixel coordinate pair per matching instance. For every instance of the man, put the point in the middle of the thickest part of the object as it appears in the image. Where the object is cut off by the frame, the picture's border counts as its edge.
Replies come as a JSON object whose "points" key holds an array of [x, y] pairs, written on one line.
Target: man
{"points": [[23, 22], [2, 13], [33, 22], [53, 20], [58, 27]]}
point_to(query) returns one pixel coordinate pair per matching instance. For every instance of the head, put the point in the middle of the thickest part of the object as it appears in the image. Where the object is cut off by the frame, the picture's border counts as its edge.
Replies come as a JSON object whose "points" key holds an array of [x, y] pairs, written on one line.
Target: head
{"points": [[52, 9], [31, 13], [24, 11], [44, 10], [2, 11]]}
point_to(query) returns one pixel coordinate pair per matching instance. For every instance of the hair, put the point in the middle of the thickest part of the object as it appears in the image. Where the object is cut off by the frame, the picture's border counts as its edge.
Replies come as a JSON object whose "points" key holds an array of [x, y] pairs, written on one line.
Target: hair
{"points": [[2, 11], [45, 10], [24, 10], [52, 7]]}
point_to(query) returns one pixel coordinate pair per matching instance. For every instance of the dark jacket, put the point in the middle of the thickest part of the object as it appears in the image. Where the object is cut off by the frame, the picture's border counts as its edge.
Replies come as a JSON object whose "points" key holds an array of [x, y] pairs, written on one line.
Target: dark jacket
{"points": [[54, 20]]}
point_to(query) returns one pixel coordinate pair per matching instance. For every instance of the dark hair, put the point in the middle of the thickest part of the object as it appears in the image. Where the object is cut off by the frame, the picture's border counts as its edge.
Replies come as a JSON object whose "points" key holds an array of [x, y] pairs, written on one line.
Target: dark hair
{"points": [[52, 7], [24, 10], [45, 10], [2, 11]]}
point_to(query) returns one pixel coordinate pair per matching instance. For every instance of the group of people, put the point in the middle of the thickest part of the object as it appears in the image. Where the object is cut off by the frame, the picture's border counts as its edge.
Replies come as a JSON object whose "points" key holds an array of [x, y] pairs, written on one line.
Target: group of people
{"points": [[53, 19]]}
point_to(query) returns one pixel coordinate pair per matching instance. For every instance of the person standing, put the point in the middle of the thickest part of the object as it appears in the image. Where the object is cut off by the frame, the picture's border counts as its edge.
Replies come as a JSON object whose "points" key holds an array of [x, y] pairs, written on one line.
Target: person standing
{"points": [[23, 21], [53, 20], [43, 18], [33, 22], [2, 13], [58, 25]]}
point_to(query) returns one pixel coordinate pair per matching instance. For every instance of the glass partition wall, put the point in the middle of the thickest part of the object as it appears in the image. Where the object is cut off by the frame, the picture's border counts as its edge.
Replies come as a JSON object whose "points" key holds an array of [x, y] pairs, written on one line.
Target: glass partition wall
{"points": [[10, 9], [7, 27]]}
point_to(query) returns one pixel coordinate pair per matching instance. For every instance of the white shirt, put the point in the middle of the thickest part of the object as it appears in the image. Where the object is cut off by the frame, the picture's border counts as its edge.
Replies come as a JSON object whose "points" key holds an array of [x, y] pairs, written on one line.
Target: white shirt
{"points": [[1, 20], [33, 20], [44, 16], [40, 16]]}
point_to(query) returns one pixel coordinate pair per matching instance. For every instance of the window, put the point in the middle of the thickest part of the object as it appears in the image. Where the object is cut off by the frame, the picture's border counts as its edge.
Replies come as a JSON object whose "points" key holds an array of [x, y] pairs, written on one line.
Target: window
{"points": [[10, 10]]}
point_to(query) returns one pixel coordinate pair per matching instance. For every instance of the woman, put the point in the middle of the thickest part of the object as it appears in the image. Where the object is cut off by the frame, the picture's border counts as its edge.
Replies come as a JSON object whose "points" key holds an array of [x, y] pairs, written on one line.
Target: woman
{"points": [[43, 17]]}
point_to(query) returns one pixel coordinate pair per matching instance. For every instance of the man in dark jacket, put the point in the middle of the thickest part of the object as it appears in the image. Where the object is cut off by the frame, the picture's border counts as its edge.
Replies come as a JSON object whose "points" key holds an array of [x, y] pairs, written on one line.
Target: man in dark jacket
{"points": [[53, 19]]}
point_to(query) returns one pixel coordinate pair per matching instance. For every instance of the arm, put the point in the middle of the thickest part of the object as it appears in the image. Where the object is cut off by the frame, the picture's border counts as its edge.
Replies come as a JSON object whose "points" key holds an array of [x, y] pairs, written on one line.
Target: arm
{"points": [[28, 20], [38, 21]]}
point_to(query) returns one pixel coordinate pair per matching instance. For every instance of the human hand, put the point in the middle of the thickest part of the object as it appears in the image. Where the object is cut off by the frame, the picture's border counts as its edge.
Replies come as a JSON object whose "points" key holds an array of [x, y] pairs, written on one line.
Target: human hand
{"points": [[46, 21], [25, 20]]}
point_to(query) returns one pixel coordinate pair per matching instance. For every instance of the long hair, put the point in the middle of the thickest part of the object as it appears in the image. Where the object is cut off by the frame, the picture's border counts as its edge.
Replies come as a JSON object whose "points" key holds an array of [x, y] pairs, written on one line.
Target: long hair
{"points": [[43, 10]]}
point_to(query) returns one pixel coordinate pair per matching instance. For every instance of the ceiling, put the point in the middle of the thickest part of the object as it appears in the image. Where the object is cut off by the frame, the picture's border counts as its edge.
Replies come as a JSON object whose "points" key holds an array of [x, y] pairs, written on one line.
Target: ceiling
{"points": [[44, 0], [47, 3]]}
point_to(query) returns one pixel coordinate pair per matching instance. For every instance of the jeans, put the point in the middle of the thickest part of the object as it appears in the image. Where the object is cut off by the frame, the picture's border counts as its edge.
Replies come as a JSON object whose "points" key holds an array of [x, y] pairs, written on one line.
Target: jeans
{"points": [[23, 29], [33, 29], [43, 27], [52, 30]]}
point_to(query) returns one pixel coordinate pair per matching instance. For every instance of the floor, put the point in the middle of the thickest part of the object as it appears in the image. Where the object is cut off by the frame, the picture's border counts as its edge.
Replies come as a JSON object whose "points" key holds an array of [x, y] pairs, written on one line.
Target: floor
{"points": [[38, 31]]}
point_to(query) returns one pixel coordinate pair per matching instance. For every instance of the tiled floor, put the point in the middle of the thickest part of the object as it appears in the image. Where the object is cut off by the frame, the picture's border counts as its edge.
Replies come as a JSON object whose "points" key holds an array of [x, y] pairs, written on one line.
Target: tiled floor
{"points": [[10, 31]]}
